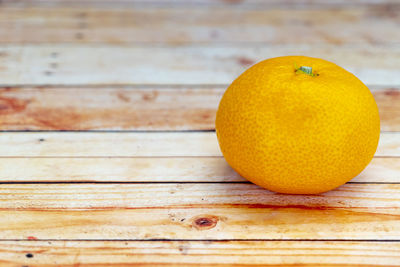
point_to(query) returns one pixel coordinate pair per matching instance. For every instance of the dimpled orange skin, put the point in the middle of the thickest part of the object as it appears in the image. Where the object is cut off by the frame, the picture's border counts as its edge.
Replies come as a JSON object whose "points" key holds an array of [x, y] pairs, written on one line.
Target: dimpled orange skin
{"points": [[295, 133]]}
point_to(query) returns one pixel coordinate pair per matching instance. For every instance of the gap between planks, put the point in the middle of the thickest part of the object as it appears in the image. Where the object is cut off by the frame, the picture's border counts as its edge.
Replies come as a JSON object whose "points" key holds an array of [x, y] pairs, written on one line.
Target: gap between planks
{"points": [[141, 108], [206, 253]]}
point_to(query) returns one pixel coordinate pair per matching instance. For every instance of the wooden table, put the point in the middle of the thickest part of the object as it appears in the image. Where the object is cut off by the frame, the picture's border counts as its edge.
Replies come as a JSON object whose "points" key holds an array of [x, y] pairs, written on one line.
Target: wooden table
{"points": [[108, 150]]}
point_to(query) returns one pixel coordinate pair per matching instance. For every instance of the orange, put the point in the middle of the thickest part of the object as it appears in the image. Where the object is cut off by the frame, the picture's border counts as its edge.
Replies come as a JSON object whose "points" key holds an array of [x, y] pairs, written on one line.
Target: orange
{"points": [[298, 125]]}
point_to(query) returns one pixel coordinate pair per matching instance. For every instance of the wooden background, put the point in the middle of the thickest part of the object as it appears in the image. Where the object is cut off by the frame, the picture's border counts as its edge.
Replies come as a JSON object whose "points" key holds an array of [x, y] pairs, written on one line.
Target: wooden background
{"points": [[108, 153]]}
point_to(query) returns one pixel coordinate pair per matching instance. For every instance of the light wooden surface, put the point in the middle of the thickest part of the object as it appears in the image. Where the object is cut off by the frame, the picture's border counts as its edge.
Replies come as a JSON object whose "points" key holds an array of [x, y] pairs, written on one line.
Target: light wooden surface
{"points": [[74, 64], [134, 144], [136, 108], [154, 169], [204, 253], [108, 152], [115, 24]]}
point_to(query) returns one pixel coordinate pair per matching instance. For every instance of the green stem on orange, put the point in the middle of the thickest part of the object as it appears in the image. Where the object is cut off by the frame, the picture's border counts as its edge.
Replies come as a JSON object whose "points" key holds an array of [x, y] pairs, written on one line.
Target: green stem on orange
{"points": [[306, 70]]}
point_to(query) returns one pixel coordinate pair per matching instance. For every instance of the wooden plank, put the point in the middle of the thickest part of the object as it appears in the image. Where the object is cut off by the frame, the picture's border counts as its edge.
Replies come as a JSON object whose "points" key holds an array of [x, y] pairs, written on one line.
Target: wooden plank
{"points": [[389, 108], [196, 211], [135, 108], [206, 253], [117, 24], [110, 108], [388, 145], [188, 169], [152, 169], [381, 170], [127, 144], [86, 196], [86, 64], [133, 144], [196, 3], [202, 223]]}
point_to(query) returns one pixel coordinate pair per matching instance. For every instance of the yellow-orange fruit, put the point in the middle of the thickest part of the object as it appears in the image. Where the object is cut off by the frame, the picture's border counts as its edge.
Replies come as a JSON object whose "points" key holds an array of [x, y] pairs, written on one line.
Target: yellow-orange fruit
{"points": [[293, 131]]}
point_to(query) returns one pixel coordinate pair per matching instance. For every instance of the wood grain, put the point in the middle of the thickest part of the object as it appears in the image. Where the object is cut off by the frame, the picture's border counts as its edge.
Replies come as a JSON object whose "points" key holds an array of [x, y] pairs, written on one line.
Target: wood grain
{"points": [[133, 144], [194, 64], [206, 253], [111, 108], [169, 198], [197, 3], [126, 144], [124, 23], [67, 196], [389, 107], [187, 169], [228, 222], [196, 211], [136, 108]]}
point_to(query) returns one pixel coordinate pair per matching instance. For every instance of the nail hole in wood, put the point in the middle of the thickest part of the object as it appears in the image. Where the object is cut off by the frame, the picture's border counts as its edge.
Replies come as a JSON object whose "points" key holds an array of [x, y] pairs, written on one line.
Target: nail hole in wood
{"points": [[79, 35]]}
